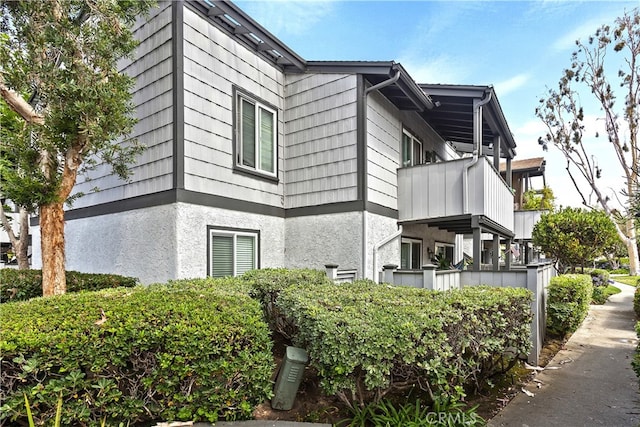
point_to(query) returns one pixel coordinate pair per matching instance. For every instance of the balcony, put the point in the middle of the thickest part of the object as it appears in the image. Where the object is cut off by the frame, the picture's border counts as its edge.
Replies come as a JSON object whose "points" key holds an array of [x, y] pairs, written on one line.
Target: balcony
{"points": [[524, 222], [456, 195]]}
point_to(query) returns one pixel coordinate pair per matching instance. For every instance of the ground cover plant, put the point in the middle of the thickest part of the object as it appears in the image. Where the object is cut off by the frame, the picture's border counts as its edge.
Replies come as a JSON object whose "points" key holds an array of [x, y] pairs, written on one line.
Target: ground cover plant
{"points": [[366, 340], [189, 350], [20, 285]]}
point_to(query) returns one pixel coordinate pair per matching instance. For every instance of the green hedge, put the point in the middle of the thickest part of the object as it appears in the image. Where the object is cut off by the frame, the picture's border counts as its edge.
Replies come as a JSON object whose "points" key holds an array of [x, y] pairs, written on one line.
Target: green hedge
{"points": [[568, 300], [267, 284], [191, 350], [365, 339], [20, 285], [636, 300], [599, 277]]}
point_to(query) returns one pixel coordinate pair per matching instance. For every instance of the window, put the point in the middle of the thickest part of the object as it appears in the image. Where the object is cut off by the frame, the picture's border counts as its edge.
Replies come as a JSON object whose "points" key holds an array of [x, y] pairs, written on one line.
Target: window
{"points": [[410, 254], [431, 157], [256, 145], [232, 252], [411, 149], [445, 251]]}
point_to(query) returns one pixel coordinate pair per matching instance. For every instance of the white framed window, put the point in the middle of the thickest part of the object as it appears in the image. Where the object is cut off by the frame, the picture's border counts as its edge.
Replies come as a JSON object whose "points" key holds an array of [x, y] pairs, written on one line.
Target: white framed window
{"points": [[231, 252], [411, 149], [410, 254], [445, 250], [256, 130]]}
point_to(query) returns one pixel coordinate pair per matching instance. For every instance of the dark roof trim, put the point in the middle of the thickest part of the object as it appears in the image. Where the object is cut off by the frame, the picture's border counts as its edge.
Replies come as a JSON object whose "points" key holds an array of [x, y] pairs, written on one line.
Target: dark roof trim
{"points": [[496, 115], [231, 18], [374, 71]]}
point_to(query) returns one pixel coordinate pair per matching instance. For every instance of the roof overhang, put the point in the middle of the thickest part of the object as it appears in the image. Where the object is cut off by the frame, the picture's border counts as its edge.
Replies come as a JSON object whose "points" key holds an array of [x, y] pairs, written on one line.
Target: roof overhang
{"points": [[232, 19], [402, 92], [453, 117], [464, 224], [531, 167]]}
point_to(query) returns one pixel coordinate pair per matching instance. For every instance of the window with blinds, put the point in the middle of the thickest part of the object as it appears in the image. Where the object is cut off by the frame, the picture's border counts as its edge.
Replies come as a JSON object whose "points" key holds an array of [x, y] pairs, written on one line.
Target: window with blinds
{"points": [[232, 253], [256, 147]]}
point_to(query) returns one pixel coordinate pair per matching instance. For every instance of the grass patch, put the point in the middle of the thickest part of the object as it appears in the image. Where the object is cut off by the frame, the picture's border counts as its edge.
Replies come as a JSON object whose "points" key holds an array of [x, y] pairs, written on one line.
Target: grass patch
{"points": [[601, 294], [627, 280]]}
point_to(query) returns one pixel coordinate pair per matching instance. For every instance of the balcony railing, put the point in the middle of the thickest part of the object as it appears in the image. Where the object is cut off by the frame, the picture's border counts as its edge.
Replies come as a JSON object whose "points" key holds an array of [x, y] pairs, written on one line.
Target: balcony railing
{"points": [[524, 222], [454, 188]]}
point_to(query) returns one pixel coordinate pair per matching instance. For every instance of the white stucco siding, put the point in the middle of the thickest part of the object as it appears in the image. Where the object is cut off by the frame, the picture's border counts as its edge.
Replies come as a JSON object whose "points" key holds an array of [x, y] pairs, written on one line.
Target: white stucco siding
{"points": [[152, 97], [316, 240], [379, 229], [191, 225], [430, 236], [321, 147], [139, 243], [215, 63], [160, 243]]}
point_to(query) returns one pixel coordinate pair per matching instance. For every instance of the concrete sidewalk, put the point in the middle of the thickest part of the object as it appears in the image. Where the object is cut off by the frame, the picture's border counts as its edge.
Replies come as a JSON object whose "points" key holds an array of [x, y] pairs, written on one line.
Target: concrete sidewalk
{"points": [[591, 382]]}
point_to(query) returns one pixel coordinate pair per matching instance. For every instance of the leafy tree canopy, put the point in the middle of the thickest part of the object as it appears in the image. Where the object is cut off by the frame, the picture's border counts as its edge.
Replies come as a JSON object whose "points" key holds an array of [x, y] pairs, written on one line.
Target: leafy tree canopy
{"points": [[574, 236], [601, 84], [538, 199], [60, 58]]}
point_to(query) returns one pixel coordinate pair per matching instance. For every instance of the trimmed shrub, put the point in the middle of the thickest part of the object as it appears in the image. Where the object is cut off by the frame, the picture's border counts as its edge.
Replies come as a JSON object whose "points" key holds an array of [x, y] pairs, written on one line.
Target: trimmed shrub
{"points": [[635, 363], [599, 277], [636, 301], [568, 300], [192, 350], [20, 285], [602, 293], [365, 339], [267, 284]]}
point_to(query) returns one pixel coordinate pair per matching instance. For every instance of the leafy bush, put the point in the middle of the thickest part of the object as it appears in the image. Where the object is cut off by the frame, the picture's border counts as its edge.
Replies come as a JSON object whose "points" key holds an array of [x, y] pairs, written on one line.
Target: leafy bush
{"points": [[20, 285], [267, 284], [365, 339], [569, 297], [191, 350], [635, 363], [599, 277], [602, 293], [636, 301]]}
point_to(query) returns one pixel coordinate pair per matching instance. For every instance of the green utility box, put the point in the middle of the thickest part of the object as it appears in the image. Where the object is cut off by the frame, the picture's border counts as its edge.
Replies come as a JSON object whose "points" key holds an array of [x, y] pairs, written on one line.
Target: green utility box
{"points": [[289, 378]]}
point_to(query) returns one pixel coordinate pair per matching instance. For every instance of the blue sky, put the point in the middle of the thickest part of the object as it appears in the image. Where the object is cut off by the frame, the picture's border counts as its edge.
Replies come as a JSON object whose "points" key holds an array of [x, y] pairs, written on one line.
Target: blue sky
{"points": [[519, 47]]}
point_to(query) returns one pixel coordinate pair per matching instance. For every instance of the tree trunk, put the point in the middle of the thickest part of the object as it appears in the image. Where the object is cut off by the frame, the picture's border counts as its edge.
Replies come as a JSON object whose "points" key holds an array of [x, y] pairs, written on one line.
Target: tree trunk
{"points": [[52, 243], [632, 247], [22, 245]]}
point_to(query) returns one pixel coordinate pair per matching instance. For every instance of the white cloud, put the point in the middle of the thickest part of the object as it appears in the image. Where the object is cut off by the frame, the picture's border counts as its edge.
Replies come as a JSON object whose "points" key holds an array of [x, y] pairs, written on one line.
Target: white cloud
{"points": [[568, 40], [288, 17], [514, 83], [583, 30], [441, 69]]}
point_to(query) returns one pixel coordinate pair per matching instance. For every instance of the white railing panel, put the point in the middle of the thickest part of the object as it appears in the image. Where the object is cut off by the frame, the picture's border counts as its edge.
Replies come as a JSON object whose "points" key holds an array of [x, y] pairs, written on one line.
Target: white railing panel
{"points": [[523, 222], [439, 189]]}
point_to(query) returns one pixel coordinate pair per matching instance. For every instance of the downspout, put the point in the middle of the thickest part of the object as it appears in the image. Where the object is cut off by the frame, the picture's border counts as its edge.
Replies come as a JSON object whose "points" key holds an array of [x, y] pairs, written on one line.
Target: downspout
{"points": [[378, 86], [477, 136], [383, 84], [380, 244]]}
